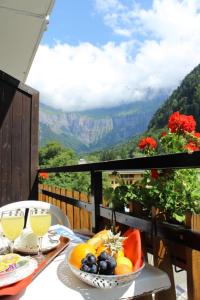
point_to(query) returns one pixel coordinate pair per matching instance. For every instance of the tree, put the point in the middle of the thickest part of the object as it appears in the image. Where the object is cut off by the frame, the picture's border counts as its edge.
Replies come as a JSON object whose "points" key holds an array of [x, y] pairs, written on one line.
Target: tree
{"points": [[49, 151], [56, 155]]}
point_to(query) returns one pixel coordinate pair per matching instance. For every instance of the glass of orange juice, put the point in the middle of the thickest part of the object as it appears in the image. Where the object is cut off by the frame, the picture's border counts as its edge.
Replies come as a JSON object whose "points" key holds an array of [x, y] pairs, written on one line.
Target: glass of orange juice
{"points": [[40, 221], [12, 223]]}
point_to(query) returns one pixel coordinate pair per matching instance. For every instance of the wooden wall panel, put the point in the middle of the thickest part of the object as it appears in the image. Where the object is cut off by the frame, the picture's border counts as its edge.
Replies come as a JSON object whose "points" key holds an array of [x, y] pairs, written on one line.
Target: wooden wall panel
{"points": [[25, 146], [19, 117]]}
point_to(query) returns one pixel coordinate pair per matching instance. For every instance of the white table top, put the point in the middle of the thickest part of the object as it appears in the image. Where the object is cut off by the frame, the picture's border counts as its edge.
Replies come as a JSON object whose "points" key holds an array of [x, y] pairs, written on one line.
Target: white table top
{"points": [[56, 281]]}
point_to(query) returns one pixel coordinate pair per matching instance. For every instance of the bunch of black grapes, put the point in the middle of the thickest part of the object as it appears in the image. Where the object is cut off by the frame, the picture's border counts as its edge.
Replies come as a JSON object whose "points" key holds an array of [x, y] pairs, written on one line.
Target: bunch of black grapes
{"points": [[104, 264], [89, 264]]}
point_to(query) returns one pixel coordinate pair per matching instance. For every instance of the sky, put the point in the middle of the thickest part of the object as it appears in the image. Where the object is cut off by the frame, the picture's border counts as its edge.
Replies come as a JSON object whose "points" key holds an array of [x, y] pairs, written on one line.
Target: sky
{"points": [[103, 53]]}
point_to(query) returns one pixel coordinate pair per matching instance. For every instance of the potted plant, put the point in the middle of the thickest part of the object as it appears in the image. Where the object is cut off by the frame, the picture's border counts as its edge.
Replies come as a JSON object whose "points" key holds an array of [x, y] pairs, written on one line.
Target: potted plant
{"points": [[173, 192]]}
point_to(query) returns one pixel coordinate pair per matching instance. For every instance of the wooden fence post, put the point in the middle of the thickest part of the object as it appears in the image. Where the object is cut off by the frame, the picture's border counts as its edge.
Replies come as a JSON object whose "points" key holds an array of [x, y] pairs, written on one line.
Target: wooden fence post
{"points": [[70, 208], [193, 261], [77, 215], [85, 215], [162, 260], [96, 198], [40, 187]]}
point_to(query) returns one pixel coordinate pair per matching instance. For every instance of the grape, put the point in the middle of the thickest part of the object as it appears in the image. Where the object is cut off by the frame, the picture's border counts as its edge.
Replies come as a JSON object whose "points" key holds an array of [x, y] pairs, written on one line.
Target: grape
{"points": [[89, 254], [111, 263], [85, 268], [103, 256], [109, 272], [84, 261], [94, 269], [91, 259], [102, 266]]}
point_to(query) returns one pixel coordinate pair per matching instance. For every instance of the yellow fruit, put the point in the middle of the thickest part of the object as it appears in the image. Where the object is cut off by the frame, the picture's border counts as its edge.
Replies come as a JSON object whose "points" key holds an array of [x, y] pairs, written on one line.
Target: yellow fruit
{"points": [[119, 254], [98, 239], [122, 269], [102, 234], [79, 252], [124, 261], [96, 242], [10, 258], [3, 266]]}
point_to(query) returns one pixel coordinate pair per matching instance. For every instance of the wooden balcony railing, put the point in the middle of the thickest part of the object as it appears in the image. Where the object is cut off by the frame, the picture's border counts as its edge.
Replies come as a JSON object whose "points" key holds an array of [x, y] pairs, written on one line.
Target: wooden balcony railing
{"points": [[87, 211], [171, 232]]}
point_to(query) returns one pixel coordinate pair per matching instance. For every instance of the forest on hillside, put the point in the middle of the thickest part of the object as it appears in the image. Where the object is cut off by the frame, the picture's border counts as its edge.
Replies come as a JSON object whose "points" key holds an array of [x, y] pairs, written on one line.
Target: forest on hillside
{"points": [[185, 99]]}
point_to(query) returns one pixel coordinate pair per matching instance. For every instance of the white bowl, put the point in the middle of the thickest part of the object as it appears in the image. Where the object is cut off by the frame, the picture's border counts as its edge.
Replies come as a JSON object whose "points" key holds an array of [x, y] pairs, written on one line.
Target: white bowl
{"points": [[104, 281]]}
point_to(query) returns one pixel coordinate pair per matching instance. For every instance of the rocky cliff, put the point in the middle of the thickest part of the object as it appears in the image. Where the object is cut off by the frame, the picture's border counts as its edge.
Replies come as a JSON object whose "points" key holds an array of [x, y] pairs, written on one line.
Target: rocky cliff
{"points": [[98, 128]]}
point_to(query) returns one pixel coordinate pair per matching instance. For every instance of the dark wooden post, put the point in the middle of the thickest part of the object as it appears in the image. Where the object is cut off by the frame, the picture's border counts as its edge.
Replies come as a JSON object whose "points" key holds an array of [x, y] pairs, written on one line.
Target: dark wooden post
{"points": [[34, 194], [193, 261], [96, 198]]}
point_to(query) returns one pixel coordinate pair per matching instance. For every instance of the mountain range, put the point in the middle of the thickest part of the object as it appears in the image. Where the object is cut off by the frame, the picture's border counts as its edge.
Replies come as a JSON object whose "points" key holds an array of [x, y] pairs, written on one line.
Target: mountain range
{"points": [[117, 129], [92, 130]]}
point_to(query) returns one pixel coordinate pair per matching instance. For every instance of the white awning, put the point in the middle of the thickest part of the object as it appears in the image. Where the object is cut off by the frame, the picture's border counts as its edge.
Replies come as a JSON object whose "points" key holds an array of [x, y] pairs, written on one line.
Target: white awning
{"points": [[22, 23]]}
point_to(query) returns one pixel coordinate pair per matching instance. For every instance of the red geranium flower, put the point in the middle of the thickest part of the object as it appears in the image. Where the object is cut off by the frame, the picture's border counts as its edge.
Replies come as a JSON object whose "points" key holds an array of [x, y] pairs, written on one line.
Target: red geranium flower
{"points": [[147, 142], [197, 135], [44, 175], [191, 147], [163, 133], [154, 174], [181, 123]]}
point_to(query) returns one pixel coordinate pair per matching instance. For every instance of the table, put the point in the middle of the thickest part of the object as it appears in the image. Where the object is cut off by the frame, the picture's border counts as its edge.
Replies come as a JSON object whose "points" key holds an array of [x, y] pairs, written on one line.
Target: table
{"points": [[57, 282]]}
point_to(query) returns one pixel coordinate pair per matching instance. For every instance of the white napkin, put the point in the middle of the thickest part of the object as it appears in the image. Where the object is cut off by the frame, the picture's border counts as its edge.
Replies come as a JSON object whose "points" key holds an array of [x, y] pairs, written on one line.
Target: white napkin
{"points": [[67, 232]]}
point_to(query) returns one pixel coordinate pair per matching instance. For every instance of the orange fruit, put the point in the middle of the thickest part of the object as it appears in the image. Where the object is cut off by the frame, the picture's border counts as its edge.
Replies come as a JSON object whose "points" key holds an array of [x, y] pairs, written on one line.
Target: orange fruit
{"points": [[79, 252], [124, 261], [101, 249], [122, 269]]}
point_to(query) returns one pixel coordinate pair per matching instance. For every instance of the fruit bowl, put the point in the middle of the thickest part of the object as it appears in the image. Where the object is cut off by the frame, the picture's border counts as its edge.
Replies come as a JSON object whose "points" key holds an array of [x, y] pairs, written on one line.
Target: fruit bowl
{"points": [[103, 281]]}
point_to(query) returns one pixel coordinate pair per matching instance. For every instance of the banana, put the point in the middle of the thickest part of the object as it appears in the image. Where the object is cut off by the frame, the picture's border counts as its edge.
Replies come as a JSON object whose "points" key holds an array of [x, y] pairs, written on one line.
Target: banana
{"points": [[98, 239]]}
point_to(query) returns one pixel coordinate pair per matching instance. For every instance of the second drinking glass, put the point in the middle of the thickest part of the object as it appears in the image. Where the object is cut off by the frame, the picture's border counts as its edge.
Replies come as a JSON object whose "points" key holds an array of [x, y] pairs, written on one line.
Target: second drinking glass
{"points": [[40, 221], [12, 222]]}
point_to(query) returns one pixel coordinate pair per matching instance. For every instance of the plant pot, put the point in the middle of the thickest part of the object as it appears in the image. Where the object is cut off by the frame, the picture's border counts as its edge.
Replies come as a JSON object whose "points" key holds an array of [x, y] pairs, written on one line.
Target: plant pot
{"points": [[135, 208]]}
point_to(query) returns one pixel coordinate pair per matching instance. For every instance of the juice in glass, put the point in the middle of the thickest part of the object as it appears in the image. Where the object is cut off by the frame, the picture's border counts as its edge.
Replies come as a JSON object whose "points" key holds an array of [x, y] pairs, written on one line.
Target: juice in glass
{"points": [[12, 226], [40, 223]]}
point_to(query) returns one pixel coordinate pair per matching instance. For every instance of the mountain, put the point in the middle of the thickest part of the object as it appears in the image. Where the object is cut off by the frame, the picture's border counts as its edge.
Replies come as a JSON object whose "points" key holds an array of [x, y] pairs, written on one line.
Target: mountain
{"points": [[96, 129], [185, 99]]}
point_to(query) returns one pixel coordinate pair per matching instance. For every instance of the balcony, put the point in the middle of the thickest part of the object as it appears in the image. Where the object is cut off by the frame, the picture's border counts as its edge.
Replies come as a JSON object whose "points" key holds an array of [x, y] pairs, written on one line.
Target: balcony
{"points": [[170, 243]]}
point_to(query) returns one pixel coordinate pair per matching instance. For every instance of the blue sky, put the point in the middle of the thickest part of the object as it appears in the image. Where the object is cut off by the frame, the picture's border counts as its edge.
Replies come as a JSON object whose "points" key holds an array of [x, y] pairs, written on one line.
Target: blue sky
{"points": [[99, 53], [74, 22], [77, 21]]}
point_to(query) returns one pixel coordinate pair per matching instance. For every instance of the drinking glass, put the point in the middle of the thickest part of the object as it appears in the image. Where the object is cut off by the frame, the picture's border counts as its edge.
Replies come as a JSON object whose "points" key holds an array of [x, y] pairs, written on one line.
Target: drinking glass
{"points": [[12, 223], [40, 221]]}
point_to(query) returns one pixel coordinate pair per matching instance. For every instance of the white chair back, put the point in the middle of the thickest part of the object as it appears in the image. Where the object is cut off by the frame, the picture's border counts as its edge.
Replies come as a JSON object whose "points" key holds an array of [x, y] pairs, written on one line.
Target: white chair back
{"points": [[58, 217]]}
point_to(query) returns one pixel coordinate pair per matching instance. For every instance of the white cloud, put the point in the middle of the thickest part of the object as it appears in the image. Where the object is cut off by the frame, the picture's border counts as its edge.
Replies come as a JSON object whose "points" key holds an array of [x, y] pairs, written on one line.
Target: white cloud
{"points": [[87, 76]]}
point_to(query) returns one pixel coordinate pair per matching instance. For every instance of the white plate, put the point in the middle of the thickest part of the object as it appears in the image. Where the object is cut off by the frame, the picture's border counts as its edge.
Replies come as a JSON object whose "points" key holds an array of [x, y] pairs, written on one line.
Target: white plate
{"points": [[18, 274], [47, 245]]}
